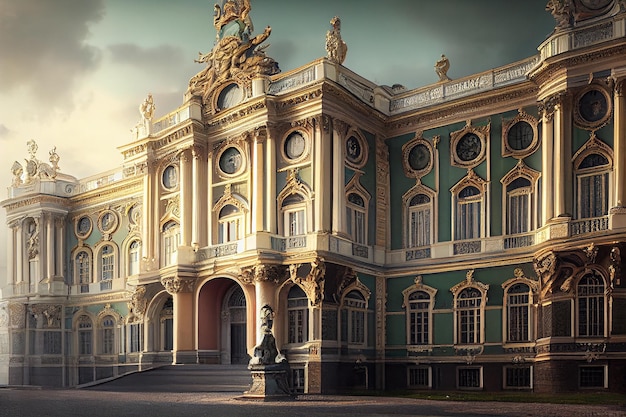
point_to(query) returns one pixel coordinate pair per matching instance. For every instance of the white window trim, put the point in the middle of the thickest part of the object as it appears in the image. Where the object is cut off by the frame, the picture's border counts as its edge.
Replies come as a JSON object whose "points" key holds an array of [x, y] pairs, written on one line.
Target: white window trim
{"points": [[456, 291], [605, 308], [533, 286], [419, 286], [471, 180]]}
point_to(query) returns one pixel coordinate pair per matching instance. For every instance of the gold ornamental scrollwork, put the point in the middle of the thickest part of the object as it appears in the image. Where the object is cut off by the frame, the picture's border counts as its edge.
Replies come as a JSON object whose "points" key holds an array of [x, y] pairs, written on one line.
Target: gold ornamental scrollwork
{"points": [[313, 282], [264, 273], [174, 285]]}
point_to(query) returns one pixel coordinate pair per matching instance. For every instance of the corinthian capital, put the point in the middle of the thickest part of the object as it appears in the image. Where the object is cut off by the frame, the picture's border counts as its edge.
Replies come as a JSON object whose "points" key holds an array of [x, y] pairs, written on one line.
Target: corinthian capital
{"points": [[175, 284]]}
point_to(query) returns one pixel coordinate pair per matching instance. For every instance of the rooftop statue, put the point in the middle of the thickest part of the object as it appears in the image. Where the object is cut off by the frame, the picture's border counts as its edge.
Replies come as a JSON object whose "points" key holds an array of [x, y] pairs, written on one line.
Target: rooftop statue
{"points": [[34, 167], [441, 68], [562, 10], [335, 46], [236, 55]]}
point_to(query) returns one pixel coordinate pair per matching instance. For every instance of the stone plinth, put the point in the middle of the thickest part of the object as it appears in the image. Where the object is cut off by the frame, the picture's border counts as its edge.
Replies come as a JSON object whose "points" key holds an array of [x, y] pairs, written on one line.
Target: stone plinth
{"points": [[269, 382]]}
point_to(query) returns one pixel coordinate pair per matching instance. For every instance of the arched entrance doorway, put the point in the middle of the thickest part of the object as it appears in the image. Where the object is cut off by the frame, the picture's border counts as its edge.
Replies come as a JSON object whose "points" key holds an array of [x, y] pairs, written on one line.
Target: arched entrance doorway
{"points": [[222, 322], [234, 325]]}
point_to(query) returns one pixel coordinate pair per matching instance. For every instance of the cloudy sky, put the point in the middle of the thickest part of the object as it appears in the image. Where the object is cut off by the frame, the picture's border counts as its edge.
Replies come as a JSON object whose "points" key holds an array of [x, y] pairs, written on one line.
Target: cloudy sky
{"points": [[73, 72]]}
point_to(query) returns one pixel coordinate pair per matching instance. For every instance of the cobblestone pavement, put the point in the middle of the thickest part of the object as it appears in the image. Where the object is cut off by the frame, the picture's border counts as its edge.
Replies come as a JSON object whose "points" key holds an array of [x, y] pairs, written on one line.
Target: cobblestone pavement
{"points": [[190, 392]]}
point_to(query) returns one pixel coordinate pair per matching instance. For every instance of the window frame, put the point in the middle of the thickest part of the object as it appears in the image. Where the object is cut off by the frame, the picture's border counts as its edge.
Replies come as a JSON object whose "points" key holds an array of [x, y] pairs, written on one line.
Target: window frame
{"points": [[170, 241], [478, 327], [461, 230], [406, 294], [601, 307], [594, 146], [297, 306]]}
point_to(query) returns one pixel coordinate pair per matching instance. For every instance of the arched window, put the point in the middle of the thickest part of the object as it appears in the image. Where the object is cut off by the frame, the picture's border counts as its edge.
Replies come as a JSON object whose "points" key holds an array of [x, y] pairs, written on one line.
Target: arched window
{"points": [[419, 311], [518, 301], [294, 215], [83, 270], [170, 239], [297, 316], [355, 313], [592, 181], [518, 203], [420, 209], [134, 257], [469, 311], [229, 224], [108, 326], [107, 267], [85, 335], [468, 219], [591, 305], [356, 218]]}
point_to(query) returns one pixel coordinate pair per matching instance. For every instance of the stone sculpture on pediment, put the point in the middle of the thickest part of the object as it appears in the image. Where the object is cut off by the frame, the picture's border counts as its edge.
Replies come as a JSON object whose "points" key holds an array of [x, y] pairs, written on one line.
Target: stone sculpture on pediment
{"points": [[441, 68], [335, 46], [237, 55], [34, 168], [562, 11]]}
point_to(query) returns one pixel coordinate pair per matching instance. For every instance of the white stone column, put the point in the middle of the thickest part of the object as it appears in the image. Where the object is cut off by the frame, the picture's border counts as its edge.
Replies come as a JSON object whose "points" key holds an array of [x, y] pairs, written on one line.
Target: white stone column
{"points": [[617, 217], [148, 214], [547, 164], [338, 169], [186, 190], [19, 252], [11, 261], [49, 253], [563, 157], [209, 199], [60, 247], [198, 238], [258, 181], [270, 174], [323, 167]]}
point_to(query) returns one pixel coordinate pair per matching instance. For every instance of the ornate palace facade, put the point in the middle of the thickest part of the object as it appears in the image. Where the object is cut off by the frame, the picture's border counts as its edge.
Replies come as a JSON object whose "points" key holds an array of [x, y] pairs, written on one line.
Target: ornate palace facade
{"points": [[463, 235]]}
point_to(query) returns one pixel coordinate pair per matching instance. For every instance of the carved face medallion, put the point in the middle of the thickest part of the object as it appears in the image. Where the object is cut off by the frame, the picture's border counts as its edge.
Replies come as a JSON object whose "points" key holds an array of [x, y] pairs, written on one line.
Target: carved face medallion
{"points": [[593, 106], [231, 160], [468, 148]]}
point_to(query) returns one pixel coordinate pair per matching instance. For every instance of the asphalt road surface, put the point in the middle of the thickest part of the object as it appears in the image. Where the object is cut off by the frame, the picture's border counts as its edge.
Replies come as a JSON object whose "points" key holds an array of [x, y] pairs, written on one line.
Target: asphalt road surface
{"points": [[212, 390]]}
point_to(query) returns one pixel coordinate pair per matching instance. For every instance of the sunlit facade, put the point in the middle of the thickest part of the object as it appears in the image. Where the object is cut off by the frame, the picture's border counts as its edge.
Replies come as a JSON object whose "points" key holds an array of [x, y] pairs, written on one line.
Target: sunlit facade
{"points": [[462, 235]]}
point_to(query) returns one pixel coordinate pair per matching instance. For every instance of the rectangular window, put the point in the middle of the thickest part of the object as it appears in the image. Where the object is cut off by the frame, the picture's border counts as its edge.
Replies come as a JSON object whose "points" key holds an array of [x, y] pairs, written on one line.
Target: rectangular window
{"points": [[419, 228], [593, 197], [517, 310], [469, 378], [135, 337], [295, 223], [519, 213], [518, 377], [298, 320], [297, 380], [357, 327], [468, 220], [592, 377], [108, 341], [168, 334], [420, 377], [84, 342], [419, 323]]}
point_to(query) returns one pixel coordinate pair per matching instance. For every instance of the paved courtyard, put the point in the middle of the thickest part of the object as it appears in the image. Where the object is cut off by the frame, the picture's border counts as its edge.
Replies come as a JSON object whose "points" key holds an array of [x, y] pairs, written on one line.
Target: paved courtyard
{"points": [[194, 390]]}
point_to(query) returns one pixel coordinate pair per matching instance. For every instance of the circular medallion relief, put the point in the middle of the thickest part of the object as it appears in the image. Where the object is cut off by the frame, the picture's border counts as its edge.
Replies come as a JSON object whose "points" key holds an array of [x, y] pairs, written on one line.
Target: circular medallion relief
{"points": [[419, 157], [170, 177], [353, 149], [231, 160], [468, 147], [520, 136], [108, 221], [295, 145], [83, 226], [593, 106]]}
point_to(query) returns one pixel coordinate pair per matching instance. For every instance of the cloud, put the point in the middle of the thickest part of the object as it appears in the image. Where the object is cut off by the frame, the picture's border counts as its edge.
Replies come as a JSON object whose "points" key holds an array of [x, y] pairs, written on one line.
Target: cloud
{"points": [[44, 48], [162, 58], [4, 131]]}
